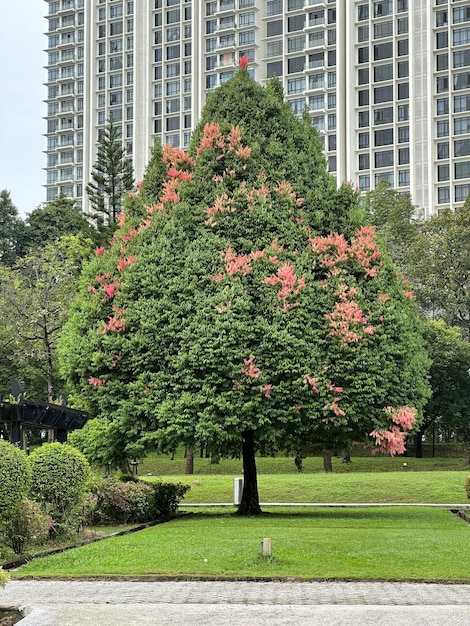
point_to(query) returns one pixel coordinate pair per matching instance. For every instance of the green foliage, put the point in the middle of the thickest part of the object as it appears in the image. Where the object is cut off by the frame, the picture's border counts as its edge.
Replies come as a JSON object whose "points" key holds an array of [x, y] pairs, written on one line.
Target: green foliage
{"points": [[12, 230], [394, 216], [26, 526], [55, 219], [127, 502], [438, 266], [220, 318], [111, 177], [449, 379], [16, 474], [4, 577], [59, 478]]}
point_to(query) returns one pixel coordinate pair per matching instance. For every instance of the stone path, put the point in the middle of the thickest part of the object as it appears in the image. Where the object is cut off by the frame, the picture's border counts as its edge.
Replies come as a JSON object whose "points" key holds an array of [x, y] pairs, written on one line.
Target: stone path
{"points": [[183, 603]]}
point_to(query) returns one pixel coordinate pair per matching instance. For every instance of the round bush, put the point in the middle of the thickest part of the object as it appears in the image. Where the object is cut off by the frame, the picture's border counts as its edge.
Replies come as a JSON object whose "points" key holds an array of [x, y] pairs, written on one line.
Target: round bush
{"points": [[467, 487], [59, 477], [15, 472]]}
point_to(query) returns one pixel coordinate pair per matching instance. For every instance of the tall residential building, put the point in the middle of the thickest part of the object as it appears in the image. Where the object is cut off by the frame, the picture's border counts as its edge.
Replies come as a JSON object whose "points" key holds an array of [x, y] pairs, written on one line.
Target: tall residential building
{"points": [[387, 82]]}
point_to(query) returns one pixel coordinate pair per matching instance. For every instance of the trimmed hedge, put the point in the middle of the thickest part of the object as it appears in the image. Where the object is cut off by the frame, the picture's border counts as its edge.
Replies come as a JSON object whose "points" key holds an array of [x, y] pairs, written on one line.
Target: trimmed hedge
{"points": [[15, 475]]}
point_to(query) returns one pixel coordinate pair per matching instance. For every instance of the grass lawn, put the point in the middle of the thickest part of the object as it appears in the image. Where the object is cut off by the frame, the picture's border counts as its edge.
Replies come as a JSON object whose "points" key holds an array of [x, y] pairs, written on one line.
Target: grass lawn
{"points": [[353, 544], [367, 487]]}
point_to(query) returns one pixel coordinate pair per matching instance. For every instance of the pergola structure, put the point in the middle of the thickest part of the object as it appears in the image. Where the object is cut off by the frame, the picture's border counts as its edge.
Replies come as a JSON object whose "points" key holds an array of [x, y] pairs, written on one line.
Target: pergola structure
{"points": [[24, 414]]}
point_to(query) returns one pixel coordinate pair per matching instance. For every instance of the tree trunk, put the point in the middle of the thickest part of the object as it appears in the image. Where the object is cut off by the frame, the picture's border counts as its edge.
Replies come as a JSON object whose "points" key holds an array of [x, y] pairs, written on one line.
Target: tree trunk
{"points": [[189, 461], [347, 456], [419, 444], [250, 498], [327, 463]]}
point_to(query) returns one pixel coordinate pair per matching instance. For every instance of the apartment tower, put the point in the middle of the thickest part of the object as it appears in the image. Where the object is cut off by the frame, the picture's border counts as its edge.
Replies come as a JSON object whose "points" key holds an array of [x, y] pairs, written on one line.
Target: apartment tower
{"points": [[387, 82]]}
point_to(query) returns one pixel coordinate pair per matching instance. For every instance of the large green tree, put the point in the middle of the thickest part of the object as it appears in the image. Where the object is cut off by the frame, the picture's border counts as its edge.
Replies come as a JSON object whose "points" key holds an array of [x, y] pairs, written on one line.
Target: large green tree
{"points": [[232, 316], [112, 175]]}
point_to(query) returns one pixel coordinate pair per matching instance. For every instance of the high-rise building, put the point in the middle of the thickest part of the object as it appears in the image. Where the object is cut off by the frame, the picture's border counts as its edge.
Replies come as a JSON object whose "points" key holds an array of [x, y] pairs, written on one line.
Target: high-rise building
{"points": [[387, 82]]}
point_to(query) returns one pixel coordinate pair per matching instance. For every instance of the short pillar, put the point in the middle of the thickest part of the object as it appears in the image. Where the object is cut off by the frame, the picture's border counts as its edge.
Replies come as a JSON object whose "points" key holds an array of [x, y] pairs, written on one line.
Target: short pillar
{"points": [[237, 491], [266, 547]]}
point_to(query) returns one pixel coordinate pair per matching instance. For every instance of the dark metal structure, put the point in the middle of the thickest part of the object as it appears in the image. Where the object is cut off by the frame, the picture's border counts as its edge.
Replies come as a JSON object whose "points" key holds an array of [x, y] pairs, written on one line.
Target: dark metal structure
{"points": [[24, 414]]}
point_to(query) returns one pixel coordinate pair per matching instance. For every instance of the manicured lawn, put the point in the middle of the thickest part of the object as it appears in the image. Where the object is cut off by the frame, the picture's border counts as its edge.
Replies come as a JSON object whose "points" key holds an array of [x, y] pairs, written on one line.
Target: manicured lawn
{"points": [[356, 544], [162, 465], [396, 487]]}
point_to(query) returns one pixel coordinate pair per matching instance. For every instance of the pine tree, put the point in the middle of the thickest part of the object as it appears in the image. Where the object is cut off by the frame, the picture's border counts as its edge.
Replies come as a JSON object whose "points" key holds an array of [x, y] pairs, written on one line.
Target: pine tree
{"points": [[12, 230], [112, 175]]}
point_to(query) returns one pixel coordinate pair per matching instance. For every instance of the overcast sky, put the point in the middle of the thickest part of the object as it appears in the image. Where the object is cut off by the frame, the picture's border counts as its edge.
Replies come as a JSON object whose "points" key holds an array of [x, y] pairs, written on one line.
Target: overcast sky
{"points": [[22, 59]]}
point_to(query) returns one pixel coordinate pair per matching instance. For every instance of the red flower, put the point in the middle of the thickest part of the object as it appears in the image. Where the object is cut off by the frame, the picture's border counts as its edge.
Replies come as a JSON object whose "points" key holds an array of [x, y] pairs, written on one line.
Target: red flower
{"points": [[99, 250], [95, 382], [243, 62]]}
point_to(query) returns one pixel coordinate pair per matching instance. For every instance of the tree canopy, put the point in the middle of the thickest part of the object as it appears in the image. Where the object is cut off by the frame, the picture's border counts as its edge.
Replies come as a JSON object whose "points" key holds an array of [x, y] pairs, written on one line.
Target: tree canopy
{"points": [[249, 307], [12, 230]]}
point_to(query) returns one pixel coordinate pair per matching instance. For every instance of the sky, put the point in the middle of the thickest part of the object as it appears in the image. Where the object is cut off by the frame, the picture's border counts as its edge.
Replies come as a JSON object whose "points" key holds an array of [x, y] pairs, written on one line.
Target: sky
{"points": [[22, 74]]}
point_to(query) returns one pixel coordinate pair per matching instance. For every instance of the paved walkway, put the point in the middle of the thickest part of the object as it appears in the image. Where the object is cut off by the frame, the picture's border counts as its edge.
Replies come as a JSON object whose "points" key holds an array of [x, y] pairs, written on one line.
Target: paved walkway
{"points": [[110, 603]]}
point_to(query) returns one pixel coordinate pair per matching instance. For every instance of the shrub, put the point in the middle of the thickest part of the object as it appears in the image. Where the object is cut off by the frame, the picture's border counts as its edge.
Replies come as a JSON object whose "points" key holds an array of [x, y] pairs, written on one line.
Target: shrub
{"points": [[27, 525], [4, 577], [114, 501], [467, 487], [59, 478], [15, 478]]}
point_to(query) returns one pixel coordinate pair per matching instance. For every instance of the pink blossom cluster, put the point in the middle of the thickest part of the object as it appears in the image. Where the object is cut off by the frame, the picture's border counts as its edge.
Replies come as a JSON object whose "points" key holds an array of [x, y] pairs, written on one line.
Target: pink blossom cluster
{"points": [[392, 441], [249, 368], [289, 284]]}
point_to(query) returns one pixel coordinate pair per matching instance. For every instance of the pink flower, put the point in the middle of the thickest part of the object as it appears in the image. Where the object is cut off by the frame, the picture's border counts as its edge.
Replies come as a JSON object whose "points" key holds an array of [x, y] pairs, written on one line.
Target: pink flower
{"points": [[95, 382], [250, 370], [243, 62], [99, 250], [266, 390]]}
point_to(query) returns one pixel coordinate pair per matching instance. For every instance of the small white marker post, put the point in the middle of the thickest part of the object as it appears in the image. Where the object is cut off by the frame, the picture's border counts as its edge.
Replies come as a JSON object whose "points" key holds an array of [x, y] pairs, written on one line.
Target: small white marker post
{"points": [[266, 547]]}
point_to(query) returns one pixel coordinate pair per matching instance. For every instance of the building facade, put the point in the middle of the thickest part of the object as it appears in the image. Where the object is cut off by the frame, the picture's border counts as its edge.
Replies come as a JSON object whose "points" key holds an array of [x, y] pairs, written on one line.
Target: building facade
{"points": [[387, 82]]}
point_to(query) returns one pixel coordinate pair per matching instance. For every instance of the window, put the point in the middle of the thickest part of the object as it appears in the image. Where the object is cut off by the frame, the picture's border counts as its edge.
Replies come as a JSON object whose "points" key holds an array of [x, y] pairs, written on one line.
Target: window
{"points": [[274, 69], [316, 18], [363, 34], [461, 14], [332, 100], [364, 161], [332, 163], [274, 7], [462, 80], [461, 103], [387, 176], [443, 195], [363, 76], [383, 137], [297, 105], [363, 119], [274, 28], [383, 72], [461, 58], [383, 8], [295, 23], [442, 62], [443, 128], [295, 65], [363, 12], [442, 84], [443, 150], [462, 126], [462, 170], [316, 60], [403, 69], [442, 18], [296, 44], [296, 85], [403, 156], [363, 99], [383, 51], [316, 81], [319, 122], [461, 36], [403, 134], [402, 47], [462, 147], [315, 39], [383, 29], [403, 91], [442, 40], [363, 140], [383, 94], [384, 159], [443, 172], [461, 192], [404, 178], [316, 102], [364, 183], [402, 25], [442, 106], [363, 55], [273, 49], [331, 121]]}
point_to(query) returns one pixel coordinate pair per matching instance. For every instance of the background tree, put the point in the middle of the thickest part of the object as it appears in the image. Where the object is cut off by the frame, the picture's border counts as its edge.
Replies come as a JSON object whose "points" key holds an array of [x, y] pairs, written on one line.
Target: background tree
{"points": [[59, 217], [438, 265], [12, 230], [35, 299], [394, 216], [448, 408], [112, 175], [231, 318]]}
